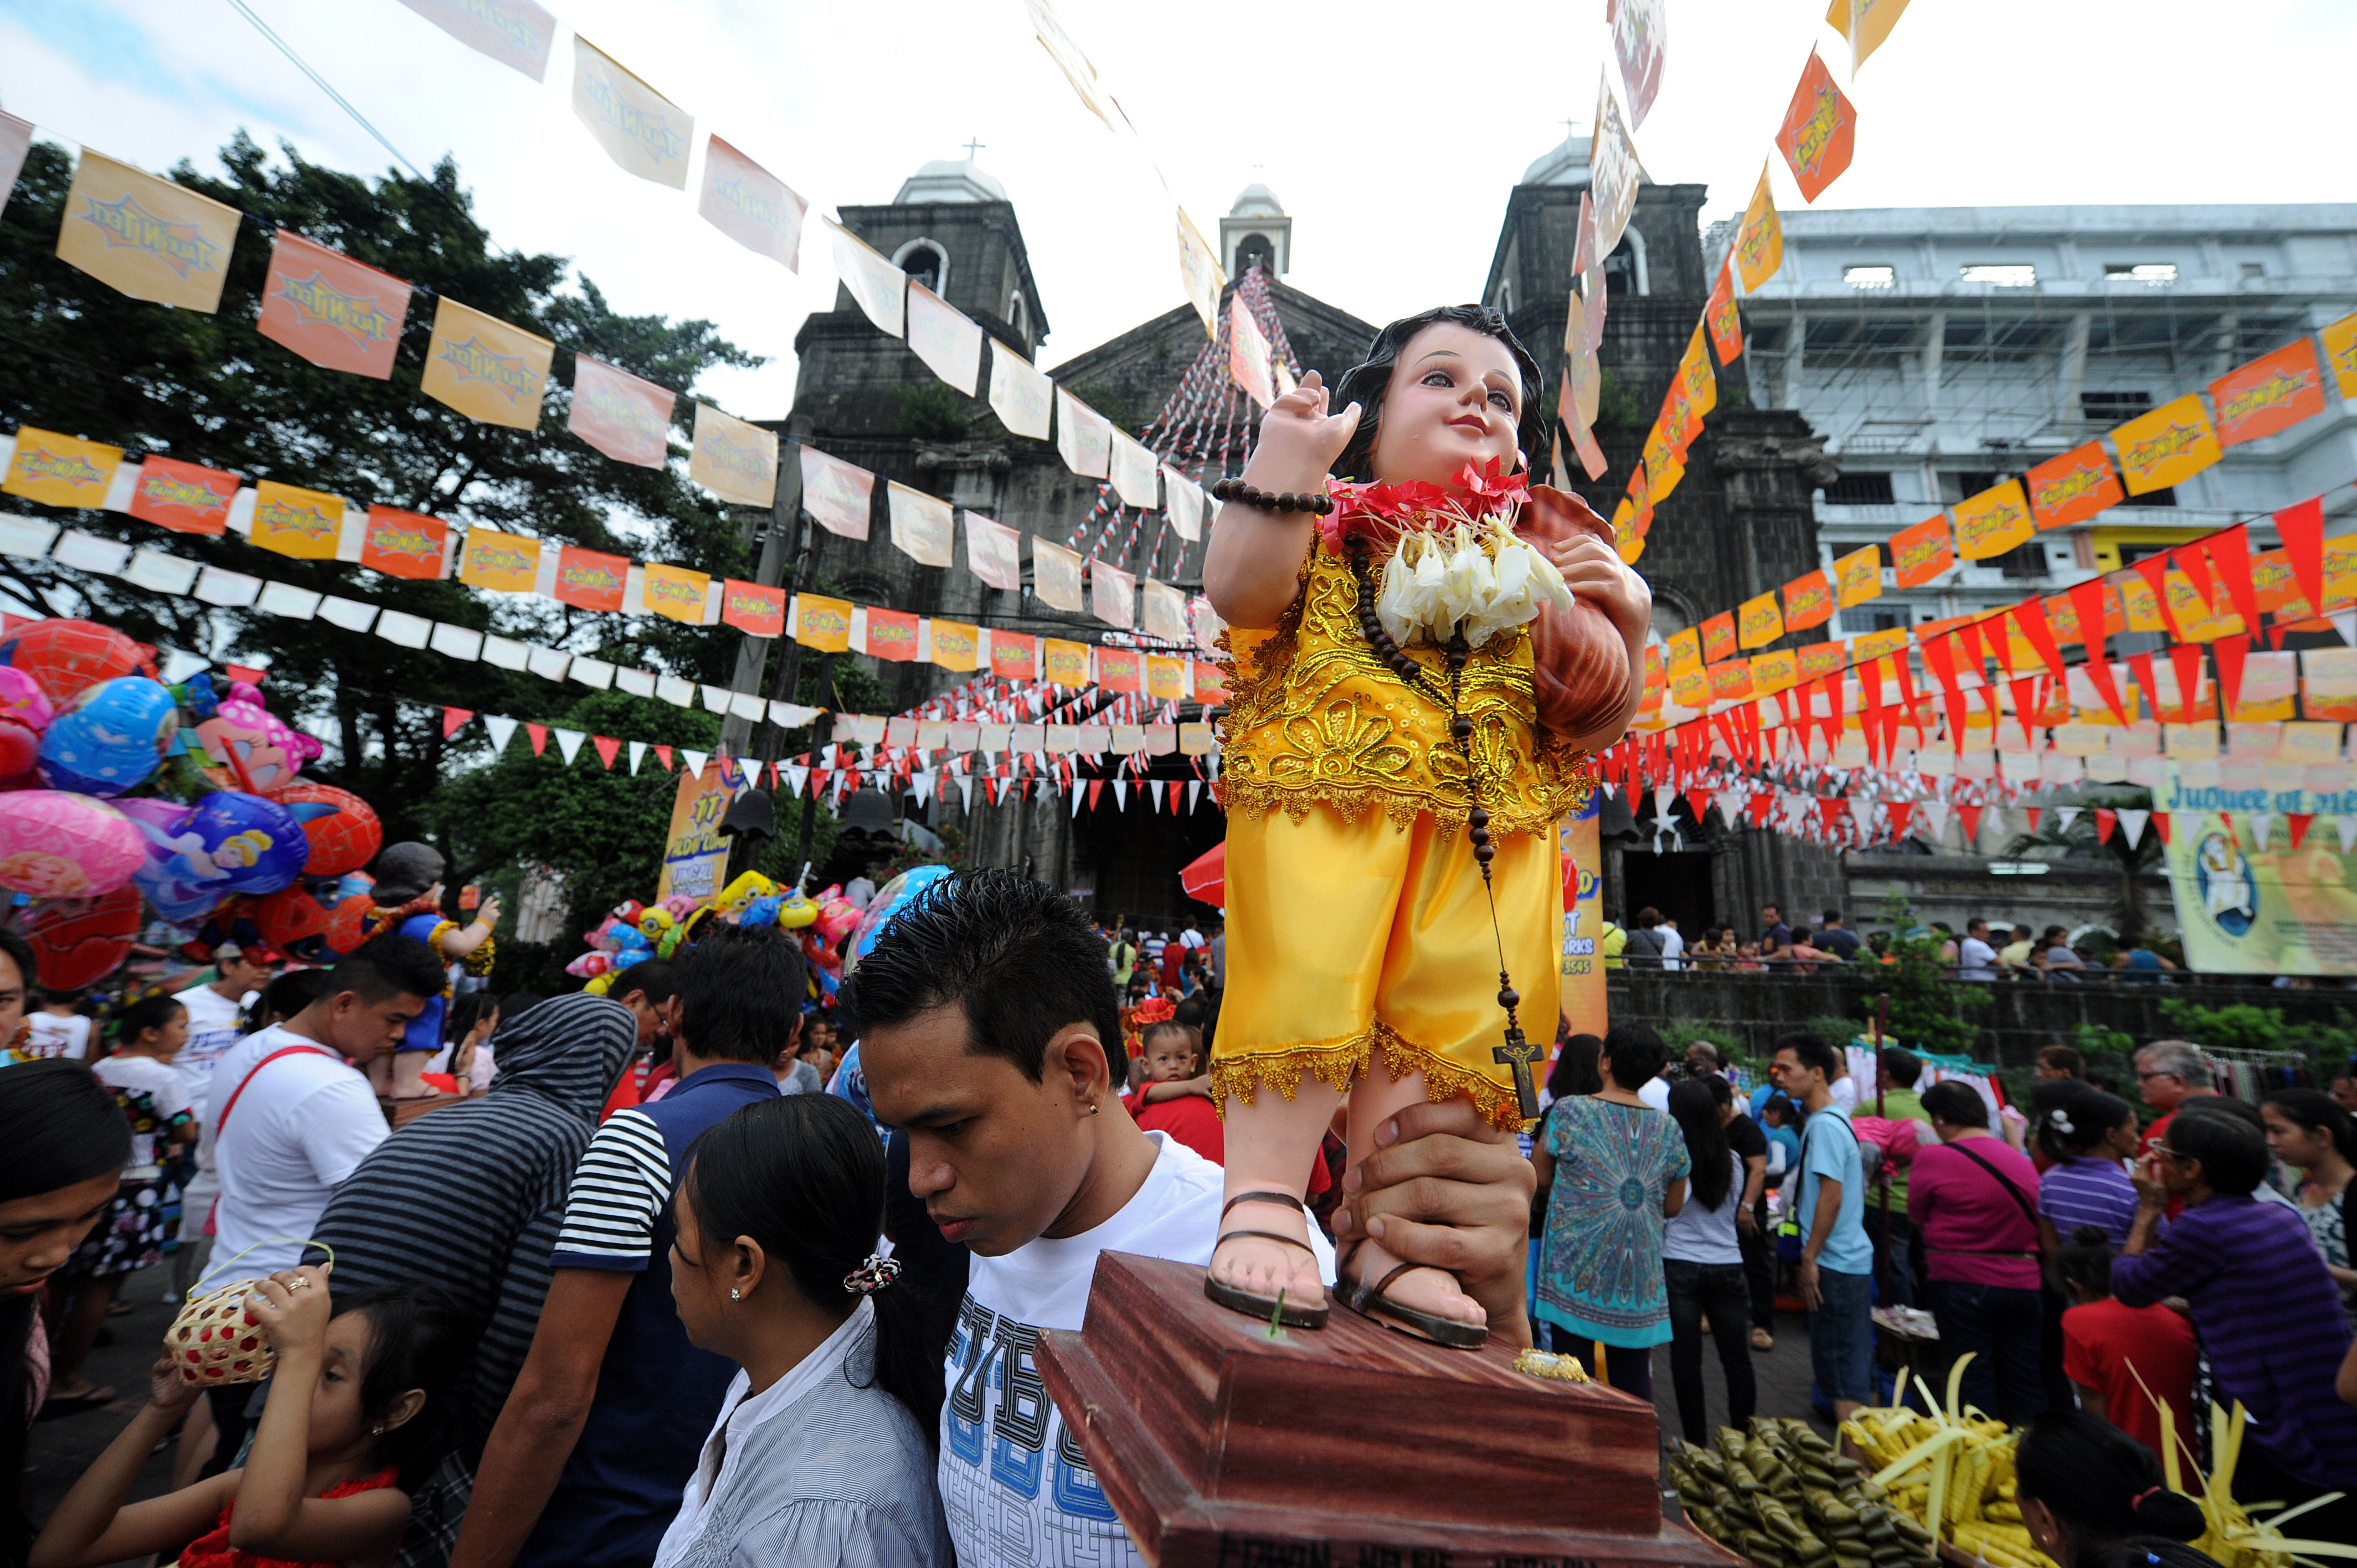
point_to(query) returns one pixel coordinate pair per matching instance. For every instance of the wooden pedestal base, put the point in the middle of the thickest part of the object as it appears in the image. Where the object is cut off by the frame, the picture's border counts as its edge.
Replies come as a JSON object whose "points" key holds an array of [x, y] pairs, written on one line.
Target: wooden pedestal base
{"points": [[1350, 1444]]}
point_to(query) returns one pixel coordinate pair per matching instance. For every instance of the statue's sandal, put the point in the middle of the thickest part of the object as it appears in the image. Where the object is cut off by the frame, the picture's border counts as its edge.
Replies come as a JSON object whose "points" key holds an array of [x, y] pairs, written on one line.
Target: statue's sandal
{"points": [[1284, 1310], [1369, 1301]]}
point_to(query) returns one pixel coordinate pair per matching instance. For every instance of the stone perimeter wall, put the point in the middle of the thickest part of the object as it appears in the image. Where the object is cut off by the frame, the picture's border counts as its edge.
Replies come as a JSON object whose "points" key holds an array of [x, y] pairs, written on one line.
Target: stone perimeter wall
{"points": [[2023, 1016]]}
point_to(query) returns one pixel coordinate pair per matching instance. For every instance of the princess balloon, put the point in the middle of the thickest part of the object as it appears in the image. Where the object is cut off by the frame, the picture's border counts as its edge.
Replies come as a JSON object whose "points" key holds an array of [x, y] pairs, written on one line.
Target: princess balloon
{"points": [[1424, 652]]}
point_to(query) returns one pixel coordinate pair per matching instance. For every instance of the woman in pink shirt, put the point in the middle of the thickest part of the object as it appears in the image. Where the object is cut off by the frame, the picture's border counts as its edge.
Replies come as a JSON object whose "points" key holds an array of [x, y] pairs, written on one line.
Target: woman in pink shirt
{"points": [[1974, 1202]]}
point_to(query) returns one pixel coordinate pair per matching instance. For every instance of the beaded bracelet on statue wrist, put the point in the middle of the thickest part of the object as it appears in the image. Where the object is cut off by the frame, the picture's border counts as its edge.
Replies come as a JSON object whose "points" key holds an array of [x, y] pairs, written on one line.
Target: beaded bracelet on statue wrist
{"points": [[1246, 495]]}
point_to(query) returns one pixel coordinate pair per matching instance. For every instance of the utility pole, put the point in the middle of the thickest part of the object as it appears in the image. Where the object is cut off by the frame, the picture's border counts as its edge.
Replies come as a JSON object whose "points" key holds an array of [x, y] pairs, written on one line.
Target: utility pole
{"points": [[787, 546]]}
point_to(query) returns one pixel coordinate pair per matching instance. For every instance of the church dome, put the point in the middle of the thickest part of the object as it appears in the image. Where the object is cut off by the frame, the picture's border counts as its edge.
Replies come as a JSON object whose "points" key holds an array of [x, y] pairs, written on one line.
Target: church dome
{"points": [[949, 179], [1563, 165], [1256, 201]]}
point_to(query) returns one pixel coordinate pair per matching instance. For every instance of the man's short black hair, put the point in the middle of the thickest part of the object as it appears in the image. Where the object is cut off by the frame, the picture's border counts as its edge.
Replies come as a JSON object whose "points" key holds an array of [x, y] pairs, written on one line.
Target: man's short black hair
{"points": [[1636, 1052], [653, 978], [1903, 1066], [1811, 1051], [388, 966], [740, 988], [1833, 917], [2231, 1147], [1019, 958]]}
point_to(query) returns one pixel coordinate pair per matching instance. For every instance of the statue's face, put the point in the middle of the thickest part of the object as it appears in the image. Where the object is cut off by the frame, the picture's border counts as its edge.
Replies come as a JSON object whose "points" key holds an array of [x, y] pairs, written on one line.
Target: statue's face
{"points": [[1454, 398]]}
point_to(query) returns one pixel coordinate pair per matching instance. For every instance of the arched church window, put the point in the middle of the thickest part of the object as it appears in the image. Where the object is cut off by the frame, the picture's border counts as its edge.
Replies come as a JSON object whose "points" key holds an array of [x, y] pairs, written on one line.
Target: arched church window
{"points": [[925, 263], [1625, 271], [1255, 251], [1018, 315]]}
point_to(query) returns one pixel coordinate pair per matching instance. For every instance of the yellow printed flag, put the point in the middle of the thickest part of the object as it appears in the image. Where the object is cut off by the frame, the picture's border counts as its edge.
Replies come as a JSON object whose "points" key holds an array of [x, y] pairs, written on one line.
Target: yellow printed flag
{"points": [[147, 237], [734, 460], [2174, 442], [1994, 522], [822, 624], [1865, 23], [1683, 651], [1774, 672], [641, 129], [503, 562], [1760, 244], [291, 520], [2341, 350], [1858, 576], [484, 368], [676, 594], [1757, 622], [60, 469], [953, 645]]}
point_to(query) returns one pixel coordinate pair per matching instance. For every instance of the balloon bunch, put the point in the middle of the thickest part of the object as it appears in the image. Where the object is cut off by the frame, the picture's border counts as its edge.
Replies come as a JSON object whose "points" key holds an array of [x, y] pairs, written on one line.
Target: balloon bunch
{"points": [[222, 832], [632, 932]]}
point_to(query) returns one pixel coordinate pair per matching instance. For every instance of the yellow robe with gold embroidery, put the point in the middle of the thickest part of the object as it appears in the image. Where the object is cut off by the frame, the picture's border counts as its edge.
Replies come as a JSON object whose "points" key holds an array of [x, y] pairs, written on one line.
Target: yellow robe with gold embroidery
{"points": [[1356, 916]]}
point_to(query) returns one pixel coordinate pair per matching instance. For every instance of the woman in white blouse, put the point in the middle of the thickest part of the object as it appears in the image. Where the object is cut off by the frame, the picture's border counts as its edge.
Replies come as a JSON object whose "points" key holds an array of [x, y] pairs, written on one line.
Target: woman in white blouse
{"points": [[823, 1451]]}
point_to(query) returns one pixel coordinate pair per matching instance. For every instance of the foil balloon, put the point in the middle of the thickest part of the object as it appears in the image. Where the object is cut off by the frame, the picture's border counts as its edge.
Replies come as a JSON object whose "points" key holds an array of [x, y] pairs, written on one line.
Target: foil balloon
{"points": [[63, 656], [78, 942], [761, 911], [653, 923], [350, 904], [256, 845], [56, 845], [890, 900], [248, 747], [110, 737], [181, 891], [295, 922], [797, 911], [343, 838]]}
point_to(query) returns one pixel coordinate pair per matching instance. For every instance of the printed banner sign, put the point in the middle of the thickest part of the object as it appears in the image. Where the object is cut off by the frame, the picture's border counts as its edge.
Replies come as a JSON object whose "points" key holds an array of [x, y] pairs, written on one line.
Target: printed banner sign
{"points": [[675, 593], [751, 206], [1639, 39], [1718, 637], [1055, 576], [2247, 908], [1808, 601], [837, 494], [1183, 500], [484, 368], [2172, 442], [1133, 472], [941, 335], [822, 624], [1819, 129], [734, 460], [15, 142], [1757, 622], [2270, 394], [1199, 274], [923, 526], [1719, 313], [589, 580], [336, 312], [696, 857], [1613, 170], [1112, 594], [187, 499], [2341, 352], [514, 32], [994, 553], [1681, 651], [621, 415], [503, 562], [1994, 522], [892, 634], [1084, 436], [1858, 576], [1760, 244], [645, 133], [2073, 487], [147, 237], [1922, 553], [1020, 393], [1121, 670], [291, 520], [952, 644], [1248, 354], [1865, 23], [1065, 663], [60, 469], [755, 610], [405, 543], [875, 284], [1015, 658], [1163, 613]]}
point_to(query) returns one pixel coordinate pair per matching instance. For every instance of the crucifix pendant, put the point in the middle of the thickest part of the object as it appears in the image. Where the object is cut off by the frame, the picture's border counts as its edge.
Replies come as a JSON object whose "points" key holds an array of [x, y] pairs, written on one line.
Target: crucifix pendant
{"points": [[1518, 1051]]}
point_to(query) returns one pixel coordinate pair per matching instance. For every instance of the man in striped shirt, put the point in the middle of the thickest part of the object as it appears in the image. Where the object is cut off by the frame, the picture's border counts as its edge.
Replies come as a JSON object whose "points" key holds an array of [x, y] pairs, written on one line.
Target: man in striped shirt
{"points": [[588, 1460]]}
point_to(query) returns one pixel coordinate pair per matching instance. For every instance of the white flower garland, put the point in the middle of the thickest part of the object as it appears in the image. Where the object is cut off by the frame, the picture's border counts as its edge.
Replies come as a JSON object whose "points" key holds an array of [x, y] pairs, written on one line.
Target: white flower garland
{"points": [[1478, 574]]}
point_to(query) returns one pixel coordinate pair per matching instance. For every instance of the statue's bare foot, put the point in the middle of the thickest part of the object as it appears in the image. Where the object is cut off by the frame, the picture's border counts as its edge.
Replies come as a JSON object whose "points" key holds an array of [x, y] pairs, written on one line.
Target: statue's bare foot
{"points": [[1252, 1272]]}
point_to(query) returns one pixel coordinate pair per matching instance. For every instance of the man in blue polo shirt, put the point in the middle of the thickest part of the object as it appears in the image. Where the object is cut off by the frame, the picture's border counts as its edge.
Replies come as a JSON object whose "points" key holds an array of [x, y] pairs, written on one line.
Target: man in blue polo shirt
{"points": [[587, 1464]]}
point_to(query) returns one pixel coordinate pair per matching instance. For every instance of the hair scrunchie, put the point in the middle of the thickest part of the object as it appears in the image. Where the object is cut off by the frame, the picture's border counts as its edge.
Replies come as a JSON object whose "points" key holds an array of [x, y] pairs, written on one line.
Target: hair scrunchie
{"points": [[872, 1275]]}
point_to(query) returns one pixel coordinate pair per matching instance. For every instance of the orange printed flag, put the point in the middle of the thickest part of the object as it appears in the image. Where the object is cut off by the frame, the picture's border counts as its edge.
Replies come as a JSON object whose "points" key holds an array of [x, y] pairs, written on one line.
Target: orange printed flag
{"points": [[1808, 601], [1819, 132], [2173, 442], [405, 543], [1858, 576], [734, 460], [751, 206], [2272, 393], [2073, 487], [1760, 244], [675, 593], [147, 237], [336, 312], [1211, 684], [484, 368], [1992, 521], [503, 562], [291, 520], [1757, 622], [1922, 553], [627, 418], [588, 580], [1121, 670], [2341, 352], [755, 610], [1719, 637], [822, 623], [60, 469], [1015, 658], [183, 496], [892, 634], [1821, 659], [1066, 664], [1719, 313]]}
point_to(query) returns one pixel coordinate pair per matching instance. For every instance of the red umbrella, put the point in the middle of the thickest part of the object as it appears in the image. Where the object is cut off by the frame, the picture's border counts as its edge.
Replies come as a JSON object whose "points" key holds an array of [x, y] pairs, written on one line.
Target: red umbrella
{"points": [[1207, 879]]}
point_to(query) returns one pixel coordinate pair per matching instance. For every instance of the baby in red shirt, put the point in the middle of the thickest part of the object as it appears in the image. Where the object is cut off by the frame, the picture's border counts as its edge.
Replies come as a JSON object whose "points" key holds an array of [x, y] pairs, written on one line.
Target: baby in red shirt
{"points": [[1176, 1097]]}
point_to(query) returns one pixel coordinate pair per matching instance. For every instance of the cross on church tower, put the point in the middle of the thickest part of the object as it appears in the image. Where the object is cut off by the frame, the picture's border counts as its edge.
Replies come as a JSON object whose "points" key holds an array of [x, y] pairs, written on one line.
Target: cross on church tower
{"points": [[972, 148]]}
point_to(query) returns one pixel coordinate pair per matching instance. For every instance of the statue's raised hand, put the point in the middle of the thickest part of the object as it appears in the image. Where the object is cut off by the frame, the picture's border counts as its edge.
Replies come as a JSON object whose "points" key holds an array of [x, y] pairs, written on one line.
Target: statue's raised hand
{"points": [[1299, 440]]}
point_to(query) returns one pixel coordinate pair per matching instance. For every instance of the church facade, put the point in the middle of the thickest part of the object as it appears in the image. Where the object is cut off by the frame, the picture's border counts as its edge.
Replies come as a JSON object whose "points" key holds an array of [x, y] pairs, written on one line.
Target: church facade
{"points": [[1742, 523]]}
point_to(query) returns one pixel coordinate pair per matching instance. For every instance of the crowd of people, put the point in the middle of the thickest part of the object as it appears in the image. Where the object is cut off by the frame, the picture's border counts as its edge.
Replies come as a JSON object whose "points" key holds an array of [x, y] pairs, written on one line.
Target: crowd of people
{"points": [[678, 1275], [1983, 953]]}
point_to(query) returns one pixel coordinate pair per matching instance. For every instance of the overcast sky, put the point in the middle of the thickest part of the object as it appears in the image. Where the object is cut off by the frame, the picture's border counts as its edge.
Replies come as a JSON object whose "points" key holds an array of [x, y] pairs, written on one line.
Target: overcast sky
{"points": [[1392, 131]]}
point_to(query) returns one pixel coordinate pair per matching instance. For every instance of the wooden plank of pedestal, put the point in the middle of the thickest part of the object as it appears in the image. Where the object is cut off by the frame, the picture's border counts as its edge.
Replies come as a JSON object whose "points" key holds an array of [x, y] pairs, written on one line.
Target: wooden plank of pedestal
{"points": [[1354, 1443]]}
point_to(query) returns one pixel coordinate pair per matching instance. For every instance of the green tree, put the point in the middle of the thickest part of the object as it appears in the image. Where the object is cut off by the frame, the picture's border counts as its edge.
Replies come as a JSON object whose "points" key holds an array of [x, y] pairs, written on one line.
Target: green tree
{"points": [[1928, 1009], [78, 358], [2129, 864]]}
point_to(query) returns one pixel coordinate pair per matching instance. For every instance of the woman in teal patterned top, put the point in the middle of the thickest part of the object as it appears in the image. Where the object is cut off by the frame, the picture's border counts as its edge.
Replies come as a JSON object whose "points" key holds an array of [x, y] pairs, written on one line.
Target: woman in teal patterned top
{"points": [[1613, 1169]]}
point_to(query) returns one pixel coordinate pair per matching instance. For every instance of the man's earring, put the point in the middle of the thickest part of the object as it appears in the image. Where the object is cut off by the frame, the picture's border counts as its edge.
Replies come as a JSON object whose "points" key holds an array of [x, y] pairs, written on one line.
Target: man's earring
{"points": [[736, 1294]]}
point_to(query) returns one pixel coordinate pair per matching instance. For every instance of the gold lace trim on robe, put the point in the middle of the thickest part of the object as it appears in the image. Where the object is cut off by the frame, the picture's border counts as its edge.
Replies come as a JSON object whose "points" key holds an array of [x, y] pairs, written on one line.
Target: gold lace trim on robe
{"points": [[1339, 1062]]}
